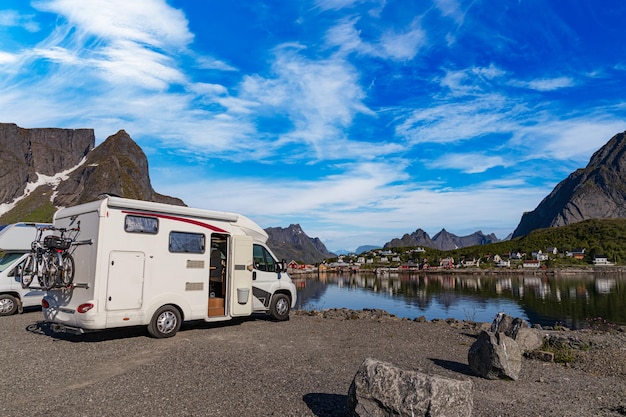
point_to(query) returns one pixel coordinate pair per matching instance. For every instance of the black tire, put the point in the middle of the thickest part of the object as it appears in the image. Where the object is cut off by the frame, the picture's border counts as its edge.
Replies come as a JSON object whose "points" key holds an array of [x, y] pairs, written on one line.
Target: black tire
{"points": [[280, 307], [8, 305], [26, 271], [51, 273], [67, 272], [165, 322]]}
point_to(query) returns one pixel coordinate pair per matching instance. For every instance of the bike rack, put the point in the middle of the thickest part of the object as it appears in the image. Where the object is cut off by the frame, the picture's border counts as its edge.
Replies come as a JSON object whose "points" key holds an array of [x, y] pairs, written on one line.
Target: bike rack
{"points": [[78, 285]]}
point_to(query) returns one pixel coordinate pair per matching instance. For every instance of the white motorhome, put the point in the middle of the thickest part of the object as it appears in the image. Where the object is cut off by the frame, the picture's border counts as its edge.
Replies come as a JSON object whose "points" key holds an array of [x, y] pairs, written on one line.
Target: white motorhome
{"points": [[144, 263], [15, 241]]}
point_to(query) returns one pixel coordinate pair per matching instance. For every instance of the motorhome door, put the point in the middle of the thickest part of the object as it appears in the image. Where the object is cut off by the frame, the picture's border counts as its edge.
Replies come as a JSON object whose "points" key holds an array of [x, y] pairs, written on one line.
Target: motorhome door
{"points": [[241, 288], [125, 281]]}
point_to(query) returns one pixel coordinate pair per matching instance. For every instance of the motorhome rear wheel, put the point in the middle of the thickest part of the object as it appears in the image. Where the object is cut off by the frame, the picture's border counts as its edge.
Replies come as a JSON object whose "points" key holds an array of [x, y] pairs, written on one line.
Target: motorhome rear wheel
{"points": [[165, 322]]}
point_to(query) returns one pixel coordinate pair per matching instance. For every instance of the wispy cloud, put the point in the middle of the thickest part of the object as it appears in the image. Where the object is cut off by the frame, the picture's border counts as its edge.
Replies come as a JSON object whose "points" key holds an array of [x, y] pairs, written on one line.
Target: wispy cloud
{"points": [[336, 4], [329, 97], [12, 18], [457, 121], [147, 22], [452, 9], [371, 197], [395, 44], [470, 162], [550, 84]]}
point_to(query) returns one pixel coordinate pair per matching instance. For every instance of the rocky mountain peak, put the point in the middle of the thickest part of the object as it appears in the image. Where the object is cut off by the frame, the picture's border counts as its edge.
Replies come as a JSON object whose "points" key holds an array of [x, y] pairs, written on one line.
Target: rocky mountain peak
{"points": [[77, 171], [595, 192], [292, 243], [117, 166], [443, 240], [25, 154]]}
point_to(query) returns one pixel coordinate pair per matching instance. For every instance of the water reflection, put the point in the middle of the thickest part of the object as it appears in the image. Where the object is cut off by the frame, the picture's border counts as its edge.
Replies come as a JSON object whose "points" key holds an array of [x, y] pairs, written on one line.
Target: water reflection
{"points": [[542, 299]]}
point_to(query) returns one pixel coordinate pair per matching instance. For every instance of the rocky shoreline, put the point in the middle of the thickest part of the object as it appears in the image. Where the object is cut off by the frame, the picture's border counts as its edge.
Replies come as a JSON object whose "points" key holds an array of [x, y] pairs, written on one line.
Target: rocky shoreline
{"points": [[588, 349]]}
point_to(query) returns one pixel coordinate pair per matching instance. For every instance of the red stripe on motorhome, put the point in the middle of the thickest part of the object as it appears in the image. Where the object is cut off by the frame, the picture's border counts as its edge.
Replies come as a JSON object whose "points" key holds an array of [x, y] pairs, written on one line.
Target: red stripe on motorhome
{"points": [[177, 219]]}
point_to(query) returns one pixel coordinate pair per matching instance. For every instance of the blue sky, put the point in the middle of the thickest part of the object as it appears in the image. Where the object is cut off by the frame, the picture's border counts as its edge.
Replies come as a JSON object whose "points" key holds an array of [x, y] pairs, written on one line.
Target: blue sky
{"points": [[359, 120]]}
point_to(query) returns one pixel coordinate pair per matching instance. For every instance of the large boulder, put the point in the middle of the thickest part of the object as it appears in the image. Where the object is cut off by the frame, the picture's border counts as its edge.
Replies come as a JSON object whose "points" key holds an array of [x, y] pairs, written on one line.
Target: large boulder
{"points": [[380, 389], [507, 325], [519, 330], [495, 356]]}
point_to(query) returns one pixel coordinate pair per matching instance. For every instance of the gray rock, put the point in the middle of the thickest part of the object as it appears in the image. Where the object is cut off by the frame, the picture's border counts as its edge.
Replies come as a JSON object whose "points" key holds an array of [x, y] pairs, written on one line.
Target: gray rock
{"points": [[502, 322], [381, 389], [529, 339], [494, 356], [508, 325]]}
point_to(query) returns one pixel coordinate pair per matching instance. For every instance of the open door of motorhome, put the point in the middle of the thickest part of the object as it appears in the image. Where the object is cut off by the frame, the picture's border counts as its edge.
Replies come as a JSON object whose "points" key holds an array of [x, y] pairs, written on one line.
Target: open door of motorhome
{"points": [[241, 288]]}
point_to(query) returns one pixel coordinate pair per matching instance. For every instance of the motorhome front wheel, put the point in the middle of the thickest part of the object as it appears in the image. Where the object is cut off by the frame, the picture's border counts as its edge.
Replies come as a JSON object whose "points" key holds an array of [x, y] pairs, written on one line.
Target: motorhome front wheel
{"points": [[279, 309], [8, 305]]}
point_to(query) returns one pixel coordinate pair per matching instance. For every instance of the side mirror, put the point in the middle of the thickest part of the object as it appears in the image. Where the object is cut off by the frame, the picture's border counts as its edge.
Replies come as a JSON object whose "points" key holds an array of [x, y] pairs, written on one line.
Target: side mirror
{"points": [[281, 266]]}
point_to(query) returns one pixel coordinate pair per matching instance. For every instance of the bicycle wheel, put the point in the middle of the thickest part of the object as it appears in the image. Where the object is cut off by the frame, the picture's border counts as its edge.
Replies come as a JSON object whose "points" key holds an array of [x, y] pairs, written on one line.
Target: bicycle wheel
{"points": [[67, 272], [51, 270], [27, 271]]}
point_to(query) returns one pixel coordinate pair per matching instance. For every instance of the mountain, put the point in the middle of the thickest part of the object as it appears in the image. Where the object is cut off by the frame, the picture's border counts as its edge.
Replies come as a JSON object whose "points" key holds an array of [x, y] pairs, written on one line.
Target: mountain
{"points": [[293, 244], [442, 240], [365, 248], [44, 169], [595, 192], [27, 153]]}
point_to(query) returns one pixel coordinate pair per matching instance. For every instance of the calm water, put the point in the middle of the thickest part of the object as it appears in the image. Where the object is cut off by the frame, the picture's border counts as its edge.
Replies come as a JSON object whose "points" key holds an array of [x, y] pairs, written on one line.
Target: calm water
{"points": [[572, 300]]}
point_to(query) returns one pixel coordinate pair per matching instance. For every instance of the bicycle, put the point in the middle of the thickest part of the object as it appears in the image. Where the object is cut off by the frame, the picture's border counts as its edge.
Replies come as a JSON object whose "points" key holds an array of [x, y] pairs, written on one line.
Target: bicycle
{"points": [[50, 260]]}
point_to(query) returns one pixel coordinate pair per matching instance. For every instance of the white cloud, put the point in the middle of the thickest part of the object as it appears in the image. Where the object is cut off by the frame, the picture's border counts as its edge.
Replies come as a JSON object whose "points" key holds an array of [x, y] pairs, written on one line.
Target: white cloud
{"points": [[208, 89], [575, 138], [458, 121], [58, 54], [148, 22], [328, 98], [392, 44], [130, 43], [546, 84], [473, 80], [214, 64], [7, 58], [12, 18], [368, 201], [336, 4], [452, 9], [403, 45], [470, 163], [130, 63]]}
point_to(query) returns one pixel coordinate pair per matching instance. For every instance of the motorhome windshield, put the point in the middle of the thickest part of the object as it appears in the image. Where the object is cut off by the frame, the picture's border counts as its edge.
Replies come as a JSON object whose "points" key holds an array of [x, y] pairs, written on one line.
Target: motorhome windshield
{"points": [[8, 259]]}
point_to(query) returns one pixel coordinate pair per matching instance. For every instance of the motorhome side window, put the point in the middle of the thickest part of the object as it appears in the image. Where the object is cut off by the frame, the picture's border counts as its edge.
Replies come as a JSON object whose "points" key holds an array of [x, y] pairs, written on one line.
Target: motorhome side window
{"points": [[183, 242], [263, 261], [141, 224]]}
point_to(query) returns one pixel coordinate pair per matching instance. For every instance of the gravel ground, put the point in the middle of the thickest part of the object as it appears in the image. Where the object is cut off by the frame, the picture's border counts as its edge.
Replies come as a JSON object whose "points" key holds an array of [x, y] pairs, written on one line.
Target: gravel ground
{"points": [[301, 367]]}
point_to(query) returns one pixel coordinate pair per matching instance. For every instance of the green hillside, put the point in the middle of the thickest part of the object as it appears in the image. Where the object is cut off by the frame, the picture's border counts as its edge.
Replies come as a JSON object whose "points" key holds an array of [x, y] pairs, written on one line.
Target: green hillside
{"points": [[597, 236]]}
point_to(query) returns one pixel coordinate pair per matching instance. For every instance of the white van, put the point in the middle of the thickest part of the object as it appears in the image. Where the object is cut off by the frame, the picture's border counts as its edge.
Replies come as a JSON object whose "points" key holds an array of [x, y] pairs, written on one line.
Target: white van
{"points": [[144, 263], [15, 240]]}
